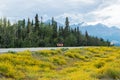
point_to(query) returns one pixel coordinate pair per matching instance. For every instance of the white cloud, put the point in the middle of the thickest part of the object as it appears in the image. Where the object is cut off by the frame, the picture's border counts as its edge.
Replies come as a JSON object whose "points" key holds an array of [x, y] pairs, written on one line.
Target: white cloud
{"points": [[81, 1], [90, 11], [74, 18], [109, 15]]}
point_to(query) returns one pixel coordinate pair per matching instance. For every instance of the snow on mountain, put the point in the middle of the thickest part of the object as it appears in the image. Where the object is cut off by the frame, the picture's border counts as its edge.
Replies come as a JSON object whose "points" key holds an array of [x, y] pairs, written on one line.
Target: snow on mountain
{"points": [[100, 30]]}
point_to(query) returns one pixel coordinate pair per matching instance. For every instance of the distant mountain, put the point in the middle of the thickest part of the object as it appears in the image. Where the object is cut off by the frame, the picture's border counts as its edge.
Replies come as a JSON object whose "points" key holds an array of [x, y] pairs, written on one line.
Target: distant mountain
{"points": [[50, 22], [100, 30]]}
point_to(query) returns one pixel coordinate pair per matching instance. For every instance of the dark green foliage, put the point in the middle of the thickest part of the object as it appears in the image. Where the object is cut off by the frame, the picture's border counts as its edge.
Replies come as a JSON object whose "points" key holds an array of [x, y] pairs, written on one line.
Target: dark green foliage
{"points": [[67, 28], [54, 25], [38, 34], [36, 23]]}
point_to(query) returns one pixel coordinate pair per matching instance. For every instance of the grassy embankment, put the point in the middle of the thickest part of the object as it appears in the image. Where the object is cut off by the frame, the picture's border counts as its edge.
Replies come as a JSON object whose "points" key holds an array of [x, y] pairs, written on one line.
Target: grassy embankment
{"points": [[62, 64]]}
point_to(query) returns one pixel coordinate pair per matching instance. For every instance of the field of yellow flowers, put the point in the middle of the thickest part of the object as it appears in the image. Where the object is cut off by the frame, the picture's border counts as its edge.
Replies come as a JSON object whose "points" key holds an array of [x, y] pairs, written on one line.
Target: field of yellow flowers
{"points": [[92, 63]]}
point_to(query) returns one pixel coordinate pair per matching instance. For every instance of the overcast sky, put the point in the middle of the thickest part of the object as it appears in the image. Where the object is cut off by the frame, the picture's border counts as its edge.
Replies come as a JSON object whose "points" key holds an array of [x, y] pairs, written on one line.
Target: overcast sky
{"points": [[88, 11]]}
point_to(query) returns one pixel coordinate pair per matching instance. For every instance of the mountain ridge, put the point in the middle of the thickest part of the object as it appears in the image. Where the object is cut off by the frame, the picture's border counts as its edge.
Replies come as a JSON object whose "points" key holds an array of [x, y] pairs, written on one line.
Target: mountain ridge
{"points": [[98, 30]]}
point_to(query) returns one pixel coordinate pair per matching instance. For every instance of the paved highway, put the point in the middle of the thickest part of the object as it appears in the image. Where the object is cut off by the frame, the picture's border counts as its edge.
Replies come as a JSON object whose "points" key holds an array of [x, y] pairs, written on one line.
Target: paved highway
{"points": [[4, 50]]}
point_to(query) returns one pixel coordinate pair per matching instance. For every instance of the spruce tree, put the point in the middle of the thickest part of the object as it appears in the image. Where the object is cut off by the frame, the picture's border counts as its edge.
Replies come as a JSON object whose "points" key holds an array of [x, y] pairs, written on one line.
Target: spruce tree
{"points": [[87, 38], [36, 23], [23, 25], [54, 25], [9, 24], [32, 23], [53, 21], [41, 20], [67, 28], [4, 22], [28, 26]]}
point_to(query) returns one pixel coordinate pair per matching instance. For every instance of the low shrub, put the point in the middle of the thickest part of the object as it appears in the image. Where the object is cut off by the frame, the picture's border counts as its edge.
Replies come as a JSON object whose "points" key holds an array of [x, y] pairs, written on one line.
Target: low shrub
{"points": [[58, 60], [99, 64]]}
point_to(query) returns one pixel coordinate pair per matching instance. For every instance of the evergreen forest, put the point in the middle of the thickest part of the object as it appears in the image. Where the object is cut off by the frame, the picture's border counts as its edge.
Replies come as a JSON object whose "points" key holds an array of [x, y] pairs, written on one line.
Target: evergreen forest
{"points": [[36, 33]]}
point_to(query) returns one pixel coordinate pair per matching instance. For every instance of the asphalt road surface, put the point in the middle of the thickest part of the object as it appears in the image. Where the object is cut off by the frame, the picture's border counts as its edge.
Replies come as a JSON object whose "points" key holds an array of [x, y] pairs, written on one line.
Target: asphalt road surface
{"points": [[4, 50]]}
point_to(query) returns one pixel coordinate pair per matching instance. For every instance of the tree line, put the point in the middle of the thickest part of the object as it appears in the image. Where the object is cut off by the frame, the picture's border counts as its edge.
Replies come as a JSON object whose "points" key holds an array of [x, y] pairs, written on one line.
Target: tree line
{"points": [[36, 33]]}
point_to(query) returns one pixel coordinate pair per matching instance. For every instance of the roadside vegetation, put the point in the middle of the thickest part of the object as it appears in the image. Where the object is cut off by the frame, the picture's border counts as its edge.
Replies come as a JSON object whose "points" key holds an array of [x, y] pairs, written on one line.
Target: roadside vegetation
{"points": [[93, 63]]}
